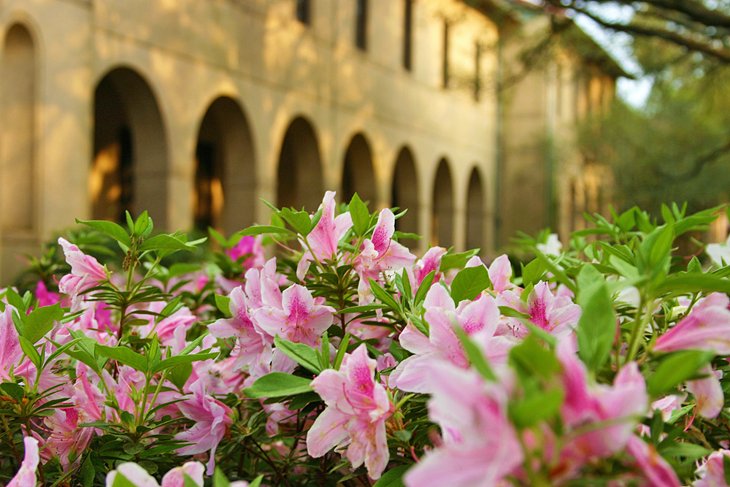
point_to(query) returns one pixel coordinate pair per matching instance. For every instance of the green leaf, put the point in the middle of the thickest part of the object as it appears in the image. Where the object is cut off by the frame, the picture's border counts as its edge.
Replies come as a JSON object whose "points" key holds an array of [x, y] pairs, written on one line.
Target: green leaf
{"points": [[675, 369], [263, 229], [365, 308], [278, 384], [87, 472], [122, 481], [456, 260], [474, 354], [688, 451], [112, 229], [384, 296], [124, 355], [342, 350], [298, 220], [165, 243], [535, 407], [360, 215], [469, 283], [188, 481], [597, 325], [692, 282], [178, 360], [219, 479], [531, 359], [424, 287], [40, 321], [393, 477], [223, 303], [532, 273], [256, 482], [556, 270], [30, 351], [13, 390], [302, 354], [179, 375], [143, 226]]}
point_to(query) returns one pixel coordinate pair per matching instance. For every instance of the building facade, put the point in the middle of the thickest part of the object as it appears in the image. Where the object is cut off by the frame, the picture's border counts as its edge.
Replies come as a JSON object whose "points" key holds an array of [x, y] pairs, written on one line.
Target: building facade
{"points": [[197, 110]]}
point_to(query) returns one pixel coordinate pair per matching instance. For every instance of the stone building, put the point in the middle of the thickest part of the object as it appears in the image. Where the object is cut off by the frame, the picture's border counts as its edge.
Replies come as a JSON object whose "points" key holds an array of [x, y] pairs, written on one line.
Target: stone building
{"points": [[197, 109]]}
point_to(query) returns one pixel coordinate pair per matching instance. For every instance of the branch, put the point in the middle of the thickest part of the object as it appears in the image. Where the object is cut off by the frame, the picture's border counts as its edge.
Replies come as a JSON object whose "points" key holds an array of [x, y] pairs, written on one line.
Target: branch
{"points": [[695, 11], [698, 164], [719, 53]]}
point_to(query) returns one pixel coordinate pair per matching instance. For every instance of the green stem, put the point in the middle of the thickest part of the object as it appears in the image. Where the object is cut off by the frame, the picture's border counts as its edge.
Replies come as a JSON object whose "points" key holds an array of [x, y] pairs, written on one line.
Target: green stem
{"points": [[637, 331]]}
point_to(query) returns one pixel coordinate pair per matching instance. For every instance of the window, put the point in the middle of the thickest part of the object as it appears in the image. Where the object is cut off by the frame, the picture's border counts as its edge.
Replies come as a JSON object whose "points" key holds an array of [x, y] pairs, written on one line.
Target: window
{"points": [[408, 35], [445, 59], [477, 70], [304, 12], [361, 25]]}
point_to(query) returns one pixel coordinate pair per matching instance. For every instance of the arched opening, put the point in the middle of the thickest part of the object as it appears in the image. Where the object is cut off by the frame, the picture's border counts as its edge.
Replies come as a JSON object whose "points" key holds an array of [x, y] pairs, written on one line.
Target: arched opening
{"points": [[404, 193], [300, 170], [17, 162], [225, 181], [442, 221], [129, 168], [358, 175], [475, 214]]}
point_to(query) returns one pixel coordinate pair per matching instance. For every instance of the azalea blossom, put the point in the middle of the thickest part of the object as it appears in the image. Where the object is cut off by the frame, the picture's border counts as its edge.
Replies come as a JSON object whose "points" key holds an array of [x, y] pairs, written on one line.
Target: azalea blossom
{"points": [[552, 246], [651, 464], [299, 318], [250, 342], [706, 327], [719, 253], [477, 318], [325, 235], [86, 271], [708, 393], [138, 476], [712, 472], [430, 262], [212, 419], [26, 476], [618, 407], [357, 408], [10, 351], [250, 248], [480, 446]]}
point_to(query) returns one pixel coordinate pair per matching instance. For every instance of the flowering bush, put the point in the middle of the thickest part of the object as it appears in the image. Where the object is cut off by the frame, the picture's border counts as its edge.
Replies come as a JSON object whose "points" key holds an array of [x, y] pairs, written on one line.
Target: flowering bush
{"points": [[346, 359]]}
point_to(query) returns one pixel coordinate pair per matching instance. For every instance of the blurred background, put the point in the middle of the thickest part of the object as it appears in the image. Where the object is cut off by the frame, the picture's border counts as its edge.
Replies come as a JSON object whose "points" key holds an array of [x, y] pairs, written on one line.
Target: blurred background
{"points": [[483, 118]]}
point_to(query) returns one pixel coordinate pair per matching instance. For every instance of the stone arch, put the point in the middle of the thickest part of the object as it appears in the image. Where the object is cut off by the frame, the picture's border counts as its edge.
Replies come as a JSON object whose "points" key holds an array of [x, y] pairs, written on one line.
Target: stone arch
{"points": [[475, 214], [225, 169], [299, 175], [130, 159], [405, 192], [18, 148], [442, 216], [358, 173]]}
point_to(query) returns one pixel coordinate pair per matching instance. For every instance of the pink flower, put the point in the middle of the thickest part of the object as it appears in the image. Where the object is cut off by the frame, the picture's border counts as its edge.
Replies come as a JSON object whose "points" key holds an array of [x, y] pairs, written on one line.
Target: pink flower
{"points": [[431, 261], [298, 319], [620, 407], [325, 236], [500, 273], [655, 469], [44, 296], [212, 419], [480, 446], [708, 393], [68, 439], [707, 327], [86, 272], [357, 408], [380, 253], [182, 319], [138, 476], [477, 318], [556, 314], [26, 476], [249, 247], [10, 351], [250, 341], [712, 472]]}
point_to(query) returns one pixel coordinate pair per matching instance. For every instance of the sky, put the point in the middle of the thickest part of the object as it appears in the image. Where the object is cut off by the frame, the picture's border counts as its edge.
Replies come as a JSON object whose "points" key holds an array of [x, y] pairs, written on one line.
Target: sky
{"points": [[635, 92]]}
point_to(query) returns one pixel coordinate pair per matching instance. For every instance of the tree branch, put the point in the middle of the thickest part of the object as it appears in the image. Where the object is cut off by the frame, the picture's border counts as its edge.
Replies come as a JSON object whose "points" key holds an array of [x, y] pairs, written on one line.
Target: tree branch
{"points": [[698, 164]]}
